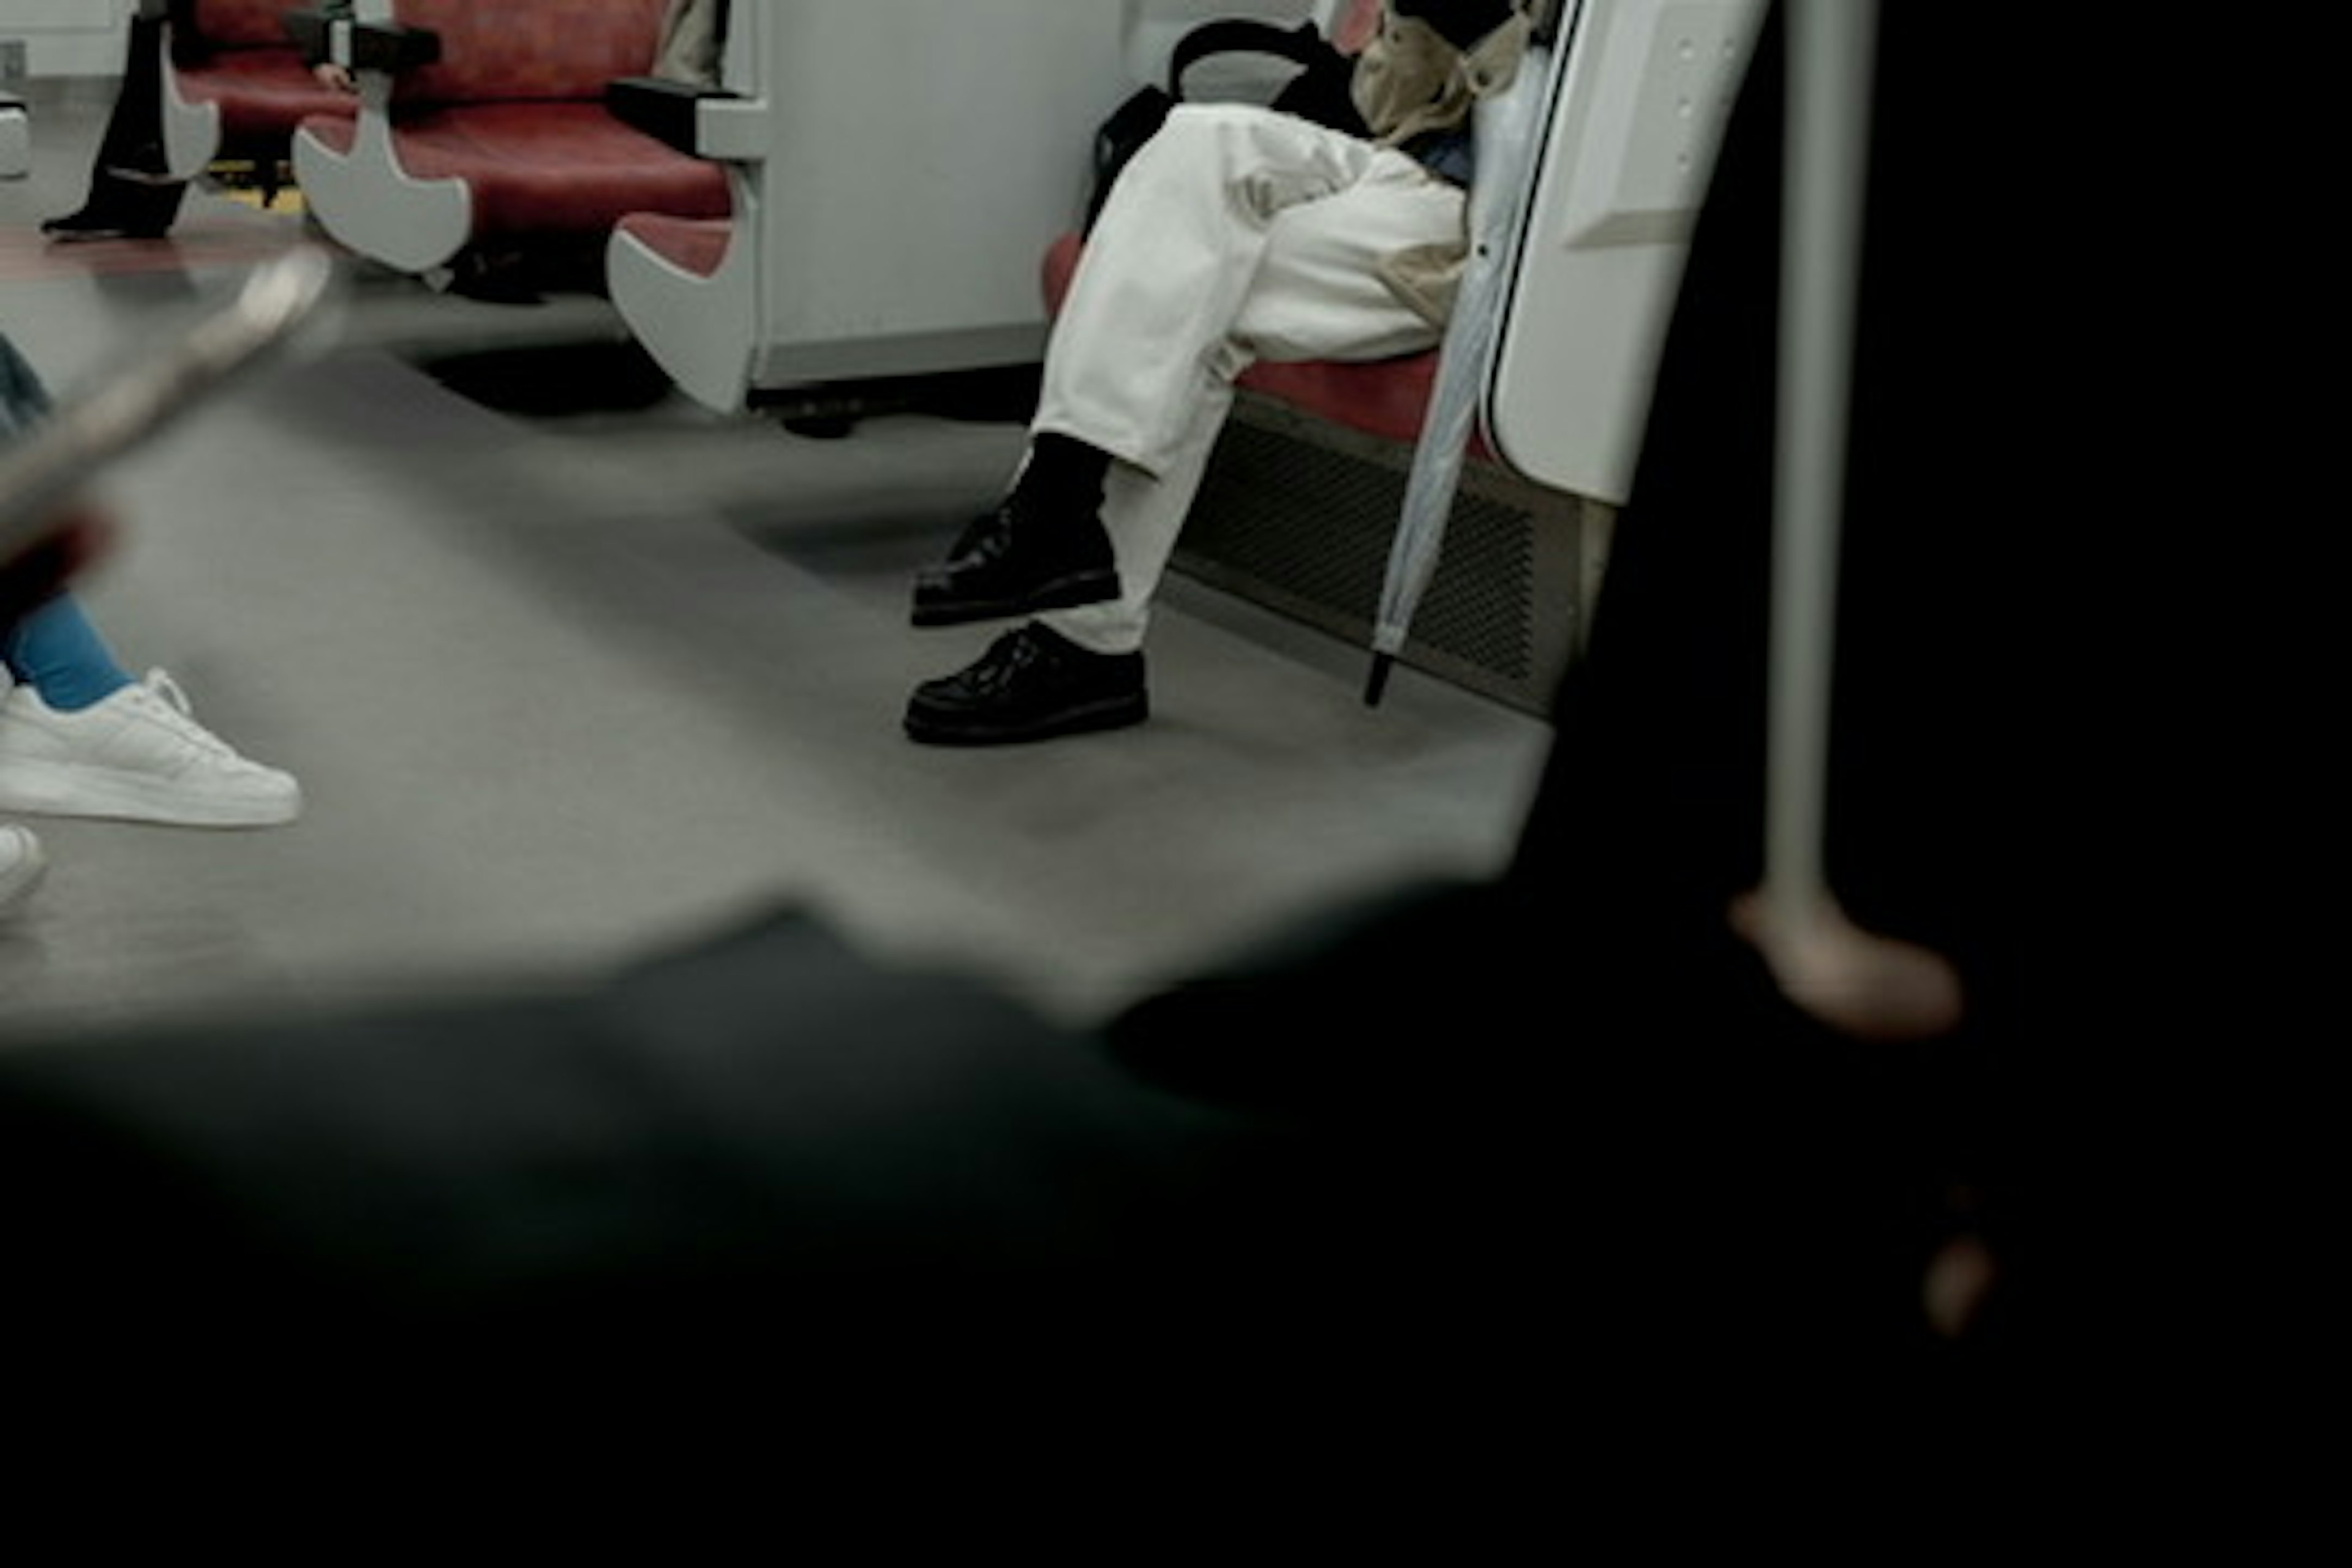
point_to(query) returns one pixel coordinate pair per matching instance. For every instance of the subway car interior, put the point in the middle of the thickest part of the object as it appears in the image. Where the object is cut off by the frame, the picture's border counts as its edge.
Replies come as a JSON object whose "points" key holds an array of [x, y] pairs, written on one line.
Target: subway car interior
{"points": [[562, 587], [580, 635]]}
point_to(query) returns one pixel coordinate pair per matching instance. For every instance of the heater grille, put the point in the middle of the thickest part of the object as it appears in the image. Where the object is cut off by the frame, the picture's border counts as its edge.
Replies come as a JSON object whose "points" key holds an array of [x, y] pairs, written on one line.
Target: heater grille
{"points": [[1298, 515]]}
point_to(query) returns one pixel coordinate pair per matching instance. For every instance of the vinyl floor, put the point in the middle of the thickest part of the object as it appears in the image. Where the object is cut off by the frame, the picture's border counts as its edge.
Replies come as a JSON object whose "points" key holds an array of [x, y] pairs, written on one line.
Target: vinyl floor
{"points": [[573, 670]]}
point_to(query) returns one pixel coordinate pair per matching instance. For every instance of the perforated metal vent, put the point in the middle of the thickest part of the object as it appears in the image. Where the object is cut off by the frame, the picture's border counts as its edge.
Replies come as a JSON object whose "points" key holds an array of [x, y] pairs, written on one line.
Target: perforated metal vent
{"points": [[1298, 515]]}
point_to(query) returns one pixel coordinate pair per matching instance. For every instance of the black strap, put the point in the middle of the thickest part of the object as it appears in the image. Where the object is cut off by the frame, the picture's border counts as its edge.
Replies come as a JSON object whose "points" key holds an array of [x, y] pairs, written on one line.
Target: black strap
{"points": [[1301, 46]]}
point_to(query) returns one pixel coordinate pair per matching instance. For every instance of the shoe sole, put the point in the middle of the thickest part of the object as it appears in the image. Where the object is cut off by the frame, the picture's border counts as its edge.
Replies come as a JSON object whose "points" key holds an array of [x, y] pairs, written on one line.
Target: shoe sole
{"points": [[101, 235], [1070, 593], [42, 790], [1110, 713]]}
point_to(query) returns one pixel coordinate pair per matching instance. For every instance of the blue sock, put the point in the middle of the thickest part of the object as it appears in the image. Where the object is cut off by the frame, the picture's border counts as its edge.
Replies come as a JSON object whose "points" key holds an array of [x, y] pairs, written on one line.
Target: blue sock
{"points": [[57, 652]]}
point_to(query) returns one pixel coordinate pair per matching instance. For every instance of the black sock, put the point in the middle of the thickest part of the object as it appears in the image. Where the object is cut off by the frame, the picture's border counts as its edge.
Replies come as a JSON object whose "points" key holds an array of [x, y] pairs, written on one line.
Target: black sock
{"points": [[1064, 475]]}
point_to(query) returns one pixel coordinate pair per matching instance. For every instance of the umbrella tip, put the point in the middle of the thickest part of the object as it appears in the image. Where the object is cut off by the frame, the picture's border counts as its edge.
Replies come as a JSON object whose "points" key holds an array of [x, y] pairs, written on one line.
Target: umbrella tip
{"points": [[1376, 684]]}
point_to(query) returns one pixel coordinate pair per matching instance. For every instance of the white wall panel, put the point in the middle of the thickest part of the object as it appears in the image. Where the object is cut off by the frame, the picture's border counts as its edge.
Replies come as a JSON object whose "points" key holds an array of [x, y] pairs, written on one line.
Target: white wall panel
{"points": [[66, 38]]}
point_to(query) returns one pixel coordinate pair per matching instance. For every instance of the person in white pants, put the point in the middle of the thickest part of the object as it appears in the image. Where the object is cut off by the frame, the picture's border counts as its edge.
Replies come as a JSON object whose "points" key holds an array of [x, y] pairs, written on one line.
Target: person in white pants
{"points": [[1237, 233]]}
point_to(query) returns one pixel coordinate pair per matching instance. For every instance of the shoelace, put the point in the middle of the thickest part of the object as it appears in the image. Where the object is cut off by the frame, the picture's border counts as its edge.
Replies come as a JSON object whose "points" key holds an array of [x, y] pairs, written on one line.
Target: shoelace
{"points": [[986, 537], [160, 696], [1013, 654]]}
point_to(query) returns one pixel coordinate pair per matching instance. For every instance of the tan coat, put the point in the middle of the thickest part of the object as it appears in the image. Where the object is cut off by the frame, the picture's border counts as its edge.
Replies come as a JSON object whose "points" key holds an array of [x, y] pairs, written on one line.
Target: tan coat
{"points": [[693, 32], [1410, 81]]}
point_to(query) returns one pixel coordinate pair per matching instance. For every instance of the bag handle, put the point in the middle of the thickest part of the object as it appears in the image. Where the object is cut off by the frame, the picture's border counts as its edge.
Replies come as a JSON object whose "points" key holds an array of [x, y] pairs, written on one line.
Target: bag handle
{"points": [[1302, 46]]}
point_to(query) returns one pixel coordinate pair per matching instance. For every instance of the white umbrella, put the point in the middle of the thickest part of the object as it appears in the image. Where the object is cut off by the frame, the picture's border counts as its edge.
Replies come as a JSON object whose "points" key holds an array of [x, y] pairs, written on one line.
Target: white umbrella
{"points": [[1507, 129]]}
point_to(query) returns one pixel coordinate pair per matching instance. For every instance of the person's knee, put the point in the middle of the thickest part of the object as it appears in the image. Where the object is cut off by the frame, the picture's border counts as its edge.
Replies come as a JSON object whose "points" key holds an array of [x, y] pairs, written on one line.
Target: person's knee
{"points": [[1227, 135], [1187, 122]]}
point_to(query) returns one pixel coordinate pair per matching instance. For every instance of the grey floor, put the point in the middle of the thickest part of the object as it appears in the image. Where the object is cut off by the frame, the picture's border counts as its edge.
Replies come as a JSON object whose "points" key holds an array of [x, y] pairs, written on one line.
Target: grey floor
{"points": [[565, 690]]}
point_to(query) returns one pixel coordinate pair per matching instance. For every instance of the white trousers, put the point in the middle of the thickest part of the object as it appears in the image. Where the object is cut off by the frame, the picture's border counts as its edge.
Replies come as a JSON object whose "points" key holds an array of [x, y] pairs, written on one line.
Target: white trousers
{"points": [[1237, 234]]}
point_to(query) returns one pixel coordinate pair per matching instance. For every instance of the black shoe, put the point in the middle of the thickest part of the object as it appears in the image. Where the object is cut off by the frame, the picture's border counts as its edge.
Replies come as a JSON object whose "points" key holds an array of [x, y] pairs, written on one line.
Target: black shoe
{"points": [[501, 280], [1016, 560], [1031, 685], [91, 225]]}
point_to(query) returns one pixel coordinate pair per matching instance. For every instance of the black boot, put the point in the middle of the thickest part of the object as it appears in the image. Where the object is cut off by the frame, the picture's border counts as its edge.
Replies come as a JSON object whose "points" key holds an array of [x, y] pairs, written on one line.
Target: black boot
{"points": [[129, 195], [1031, 685], [120, 209], [1042, 548], [120, 219]]}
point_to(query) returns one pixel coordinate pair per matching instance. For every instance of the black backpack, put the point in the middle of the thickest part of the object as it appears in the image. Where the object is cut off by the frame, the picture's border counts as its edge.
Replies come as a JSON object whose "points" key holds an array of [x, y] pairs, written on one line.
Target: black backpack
{"points": [[1322, 92]]}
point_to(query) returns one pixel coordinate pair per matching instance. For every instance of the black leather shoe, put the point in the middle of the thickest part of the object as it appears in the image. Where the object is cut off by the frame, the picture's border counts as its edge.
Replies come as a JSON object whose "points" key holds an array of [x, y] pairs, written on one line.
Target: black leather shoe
{"points": [[1016, 562], [89, 224], [1031, 685]]}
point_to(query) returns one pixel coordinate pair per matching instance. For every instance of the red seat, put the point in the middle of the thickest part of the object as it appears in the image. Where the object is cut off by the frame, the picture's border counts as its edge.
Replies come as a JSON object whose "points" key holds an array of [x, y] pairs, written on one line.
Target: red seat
{"points": [[548, 169], [514, 111], [1379, 397], [262, 94], [242, 63]]}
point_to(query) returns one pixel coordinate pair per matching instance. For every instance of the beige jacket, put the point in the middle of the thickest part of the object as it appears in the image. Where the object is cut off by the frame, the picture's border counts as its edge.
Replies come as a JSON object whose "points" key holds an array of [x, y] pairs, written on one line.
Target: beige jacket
{"points": [[693, 33], [1410, 81]]}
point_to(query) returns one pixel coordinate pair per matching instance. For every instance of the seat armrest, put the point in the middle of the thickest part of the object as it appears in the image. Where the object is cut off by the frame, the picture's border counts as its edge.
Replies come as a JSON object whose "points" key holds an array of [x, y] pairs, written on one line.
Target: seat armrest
{"points": [[666, 110], [363, 46]]}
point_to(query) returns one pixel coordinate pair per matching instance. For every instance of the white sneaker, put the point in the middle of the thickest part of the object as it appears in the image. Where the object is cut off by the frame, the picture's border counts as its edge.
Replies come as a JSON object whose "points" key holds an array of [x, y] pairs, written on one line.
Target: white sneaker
{"points": [[22, 865], [141, 756]]}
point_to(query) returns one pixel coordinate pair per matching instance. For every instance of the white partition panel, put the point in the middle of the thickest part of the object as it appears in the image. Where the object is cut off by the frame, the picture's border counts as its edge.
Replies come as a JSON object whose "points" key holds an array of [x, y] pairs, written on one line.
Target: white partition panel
{"points": [[65, 38], [899, 171], [922, 166], [1642, 91], [366, 200]]}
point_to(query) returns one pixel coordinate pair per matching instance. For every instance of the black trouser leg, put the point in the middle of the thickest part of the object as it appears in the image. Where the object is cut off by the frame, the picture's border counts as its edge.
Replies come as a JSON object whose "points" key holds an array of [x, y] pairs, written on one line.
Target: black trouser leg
{"points": [[120, 202]]}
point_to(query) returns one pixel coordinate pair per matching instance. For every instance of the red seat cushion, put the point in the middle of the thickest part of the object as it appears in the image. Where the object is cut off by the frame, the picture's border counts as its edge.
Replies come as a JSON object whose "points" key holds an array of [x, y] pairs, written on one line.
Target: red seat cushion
{"points": [[262, 94], [548, 169], [693, 245], [1383, 398], [1379, 397], [548, 50], [242, 24]]}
